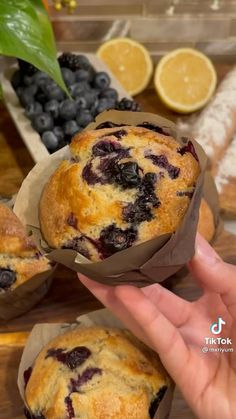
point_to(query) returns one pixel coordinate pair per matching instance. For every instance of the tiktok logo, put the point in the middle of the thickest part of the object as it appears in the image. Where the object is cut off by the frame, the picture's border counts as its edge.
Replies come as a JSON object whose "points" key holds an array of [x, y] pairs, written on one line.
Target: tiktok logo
{"points": [[216, 327]]}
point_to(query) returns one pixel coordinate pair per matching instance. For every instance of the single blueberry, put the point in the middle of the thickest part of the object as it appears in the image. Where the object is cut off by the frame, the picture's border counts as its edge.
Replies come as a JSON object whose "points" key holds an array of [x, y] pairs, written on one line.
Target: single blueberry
{"points": [[126, 174], [68, 76], [27, 80], [26, 98], [52, 107], [48, 85], [32, 89], [77, 356], [33, 109], [56, 93], [101, 80], [41, 97], [42, 122], [59, 133], [78, 89], [109, 93], [84, 117], [83, 61], [71, 128], [53, 91], [81, 103], [126, 104], [90, 96], [83, 75], [7, 278], [40, 78], [19, 91], [105, 104], [94, 108], [67, 109], [114, 239], [50, 140], [16, 79]]}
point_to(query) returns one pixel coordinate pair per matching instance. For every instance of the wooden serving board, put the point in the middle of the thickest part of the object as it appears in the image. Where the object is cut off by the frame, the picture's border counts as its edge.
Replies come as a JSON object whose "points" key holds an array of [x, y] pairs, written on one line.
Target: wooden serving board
{"points": [[68, 298]]}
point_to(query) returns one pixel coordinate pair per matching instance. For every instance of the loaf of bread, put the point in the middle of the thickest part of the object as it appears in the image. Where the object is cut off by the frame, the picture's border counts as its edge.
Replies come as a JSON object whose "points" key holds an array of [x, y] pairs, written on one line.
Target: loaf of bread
{"points": [[122, 187], [95, 373], [225, 178], [20, 259], [216, 124]]}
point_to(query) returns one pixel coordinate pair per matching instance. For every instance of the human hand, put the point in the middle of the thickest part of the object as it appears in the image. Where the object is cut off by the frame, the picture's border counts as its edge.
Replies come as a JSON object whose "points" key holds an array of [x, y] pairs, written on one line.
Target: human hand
{"points": [[176, 329]]}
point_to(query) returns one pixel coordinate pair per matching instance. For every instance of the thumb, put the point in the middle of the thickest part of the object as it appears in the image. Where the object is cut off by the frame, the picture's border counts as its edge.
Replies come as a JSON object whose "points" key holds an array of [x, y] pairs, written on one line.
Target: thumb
{"points": [[214, 274]]}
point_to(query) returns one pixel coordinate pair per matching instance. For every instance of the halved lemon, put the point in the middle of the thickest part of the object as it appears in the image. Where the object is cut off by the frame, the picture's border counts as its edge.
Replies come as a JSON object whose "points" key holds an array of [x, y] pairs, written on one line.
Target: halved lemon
{"points": [[129, 61], [185, 80]]}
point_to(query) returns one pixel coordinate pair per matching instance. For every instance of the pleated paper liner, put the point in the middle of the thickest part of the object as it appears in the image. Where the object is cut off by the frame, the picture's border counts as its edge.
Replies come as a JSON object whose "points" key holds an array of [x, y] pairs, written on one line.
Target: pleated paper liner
{"points": [[42, 334], [149, 262]]}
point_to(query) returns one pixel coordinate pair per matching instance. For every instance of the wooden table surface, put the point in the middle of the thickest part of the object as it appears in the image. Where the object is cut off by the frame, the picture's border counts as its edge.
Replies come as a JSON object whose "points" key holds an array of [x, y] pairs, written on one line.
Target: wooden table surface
{"points": [[67, 298]]}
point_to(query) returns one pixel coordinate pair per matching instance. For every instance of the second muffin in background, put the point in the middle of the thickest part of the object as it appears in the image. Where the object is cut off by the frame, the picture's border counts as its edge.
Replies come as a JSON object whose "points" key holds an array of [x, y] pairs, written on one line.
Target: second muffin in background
{"points": [[94, 373], [20, 260], [123, 186]]}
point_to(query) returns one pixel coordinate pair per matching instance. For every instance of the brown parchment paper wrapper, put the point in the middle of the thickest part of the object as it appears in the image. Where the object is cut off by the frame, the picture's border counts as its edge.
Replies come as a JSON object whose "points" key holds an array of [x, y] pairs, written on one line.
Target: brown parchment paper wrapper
{"points": [[25, 296], [146, 263], [42, 333]]}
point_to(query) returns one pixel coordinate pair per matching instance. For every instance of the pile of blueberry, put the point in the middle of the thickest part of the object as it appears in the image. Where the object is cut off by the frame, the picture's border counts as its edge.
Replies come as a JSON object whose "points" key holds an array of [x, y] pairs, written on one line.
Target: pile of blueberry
{"points": [[53, 115]]}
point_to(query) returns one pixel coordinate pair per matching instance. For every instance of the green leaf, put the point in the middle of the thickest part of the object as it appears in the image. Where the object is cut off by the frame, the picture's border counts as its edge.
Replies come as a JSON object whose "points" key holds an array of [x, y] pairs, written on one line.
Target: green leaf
{"points": [[26, 33]]}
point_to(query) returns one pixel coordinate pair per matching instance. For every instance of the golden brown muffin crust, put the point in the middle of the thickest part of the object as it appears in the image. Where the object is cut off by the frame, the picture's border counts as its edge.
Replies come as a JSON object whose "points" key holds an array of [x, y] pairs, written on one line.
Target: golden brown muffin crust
{"points": [[119, 378], [81, 198]]}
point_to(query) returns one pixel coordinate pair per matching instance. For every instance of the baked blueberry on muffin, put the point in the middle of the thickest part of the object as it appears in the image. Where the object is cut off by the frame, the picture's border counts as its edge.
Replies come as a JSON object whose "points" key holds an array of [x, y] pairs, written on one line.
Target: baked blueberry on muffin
{"points": [[20, 259], [123, 186], [95, 373]]}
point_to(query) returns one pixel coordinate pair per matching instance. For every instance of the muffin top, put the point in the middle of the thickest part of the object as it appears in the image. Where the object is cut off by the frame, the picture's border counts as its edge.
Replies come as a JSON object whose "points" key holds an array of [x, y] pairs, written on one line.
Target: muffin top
{"points": [[123, 186], [95, 373], [19, 257]]}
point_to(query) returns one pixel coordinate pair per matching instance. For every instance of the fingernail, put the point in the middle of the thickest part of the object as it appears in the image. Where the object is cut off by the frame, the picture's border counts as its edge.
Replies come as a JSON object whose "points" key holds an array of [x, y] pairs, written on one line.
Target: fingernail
{"points": [[204, 251]]}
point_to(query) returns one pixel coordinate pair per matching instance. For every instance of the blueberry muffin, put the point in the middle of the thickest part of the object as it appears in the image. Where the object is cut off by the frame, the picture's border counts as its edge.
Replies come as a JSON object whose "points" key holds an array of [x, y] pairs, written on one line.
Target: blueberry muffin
{"points": [[95, 373], [19, 257], [123, 186]]}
